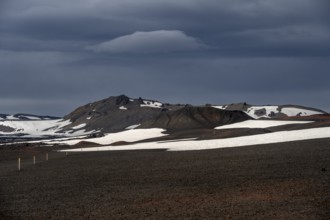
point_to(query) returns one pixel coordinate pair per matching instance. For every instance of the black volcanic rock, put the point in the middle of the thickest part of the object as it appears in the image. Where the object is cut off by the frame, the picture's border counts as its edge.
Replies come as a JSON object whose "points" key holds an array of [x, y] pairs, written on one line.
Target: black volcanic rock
{"points": [[122, 100], [191, 117], [140, 100], [243, 106], [23, 116], [3, 116], [4, 128]]}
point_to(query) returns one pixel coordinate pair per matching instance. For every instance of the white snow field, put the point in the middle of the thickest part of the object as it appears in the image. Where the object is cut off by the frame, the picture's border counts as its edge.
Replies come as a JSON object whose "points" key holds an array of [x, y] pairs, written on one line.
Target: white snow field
{"points": [[11, 117], [295, 111], [269, 138], [40, 128], [289, 111], [260, 124], [4, 117], [128, 136], [35, 127]]}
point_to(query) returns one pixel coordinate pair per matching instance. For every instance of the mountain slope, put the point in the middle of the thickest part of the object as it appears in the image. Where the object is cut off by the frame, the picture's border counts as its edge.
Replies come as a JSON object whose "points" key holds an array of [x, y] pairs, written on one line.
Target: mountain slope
{"points": [[114, 113], [190, 117]]}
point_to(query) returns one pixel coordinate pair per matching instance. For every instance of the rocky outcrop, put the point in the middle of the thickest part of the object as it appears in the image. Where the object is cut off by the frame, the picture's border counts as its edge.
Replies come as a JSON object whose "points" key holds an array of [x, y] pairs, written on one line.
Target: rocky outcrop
{"points": [[122, 100], [190, 117]]}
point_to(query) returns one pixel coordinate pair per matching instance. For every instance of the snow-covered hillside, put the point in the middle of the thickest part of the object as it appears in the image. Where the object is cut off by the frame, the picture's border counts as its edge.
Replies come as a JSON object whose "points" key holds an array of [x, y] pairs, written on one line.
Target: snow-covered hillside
{"points": [[260, 124], [269, 111], [268, 138], [25, 117], [39, 128], [272, 111], [127, 136]]}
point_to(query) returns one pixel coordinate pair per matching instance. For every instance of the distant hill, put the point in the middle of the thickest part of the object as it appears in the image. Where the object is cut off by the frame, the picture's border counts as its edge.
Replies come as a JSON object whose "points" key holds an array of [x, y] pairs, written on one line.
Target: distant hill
{"points": [[26, 117]]}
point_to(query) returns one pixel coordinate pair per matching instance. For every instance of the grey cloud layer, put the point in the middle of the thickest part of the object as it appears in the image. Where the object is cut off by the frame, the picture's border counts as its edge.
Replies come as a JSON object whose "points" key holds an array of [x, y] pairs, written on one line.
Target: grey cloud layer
{"points": [[160, 41], [223, 23], [194, 50]]}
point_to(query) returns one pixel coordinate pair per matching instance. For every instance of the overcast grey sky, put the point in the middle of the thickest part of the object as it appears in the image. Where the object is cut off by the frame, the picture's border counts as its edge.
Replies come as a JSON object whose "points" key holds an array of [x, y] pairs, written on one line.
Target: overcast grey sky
{"points": [[57, 55]]}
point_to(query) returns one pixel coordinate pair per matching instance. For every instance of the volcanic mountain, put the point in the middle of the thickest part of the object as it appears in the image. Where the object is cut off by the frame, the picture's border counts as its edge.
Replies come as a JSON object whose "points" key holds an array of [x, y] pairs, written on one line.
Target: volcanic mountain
{"points": [[121, 113]]}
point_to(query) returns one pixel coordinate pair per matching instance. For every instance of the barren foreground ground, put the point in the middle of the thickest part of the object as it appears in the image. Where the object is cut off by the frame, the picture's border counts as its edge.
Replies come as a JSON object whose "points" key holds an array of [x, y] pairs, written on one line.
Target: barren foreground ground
{"points": [[277, 181]]}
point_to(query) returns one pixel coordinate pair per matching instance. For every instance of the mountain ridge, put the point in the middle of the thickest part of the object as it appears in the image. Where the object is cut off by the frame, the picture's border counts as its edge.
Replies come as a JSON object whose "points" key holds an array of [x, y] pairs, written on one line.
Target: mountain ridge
{"points": [[120, 113]]}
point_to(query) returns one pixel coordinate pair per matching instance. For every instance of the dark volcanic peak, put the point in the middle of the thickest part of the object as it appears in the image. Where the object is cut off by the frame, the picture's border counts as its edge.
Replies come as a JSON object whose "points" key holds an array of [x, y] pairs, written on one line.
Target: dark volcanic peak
{"points": [[115, 113], [122, 100], [118, 113]]}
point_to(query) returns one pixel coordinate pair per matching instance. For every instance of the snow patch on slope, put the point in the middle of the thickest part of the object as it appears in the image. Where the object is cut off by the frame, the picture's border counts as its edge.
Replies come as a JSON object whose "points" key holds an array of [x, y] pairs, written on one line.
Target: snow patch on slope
{"points": [[32, 117], [269, 111], [151, 104], [79, 126], [275, 137], [11, 117], [260, 124], [298, 112], [262, 111], [132, 126], [127, 136]]}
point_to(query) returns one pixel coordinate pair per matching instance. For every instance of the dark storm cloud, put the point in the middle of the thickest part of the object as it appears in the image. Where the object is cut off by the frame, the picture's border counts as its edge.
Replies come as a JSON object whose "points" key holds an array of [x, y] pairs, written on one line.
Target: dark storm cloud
{"points": [[225, 23], [73, 52]]}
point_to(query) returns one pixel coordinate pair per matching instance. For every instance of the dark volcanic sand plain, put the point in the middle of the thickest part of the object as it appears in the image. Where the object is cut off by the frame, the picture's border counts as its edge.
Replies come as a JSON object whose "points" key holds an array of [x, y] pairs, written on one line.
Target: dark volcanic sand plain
{"points": [[276, 181]]}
